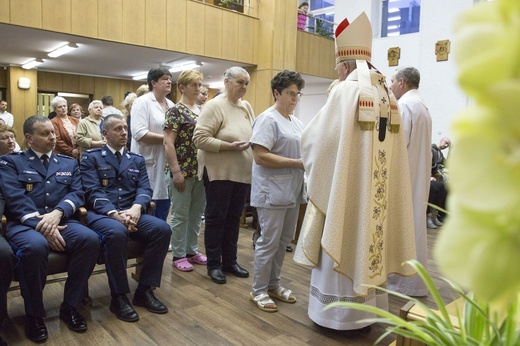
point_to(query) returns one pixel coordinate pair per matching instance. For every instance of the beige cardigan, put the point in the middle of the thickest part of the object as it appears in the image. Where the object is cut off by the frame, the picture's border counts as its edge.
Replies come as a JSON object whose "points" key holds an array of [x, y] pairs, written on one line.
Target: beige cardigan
{"points": [[219, 121]]}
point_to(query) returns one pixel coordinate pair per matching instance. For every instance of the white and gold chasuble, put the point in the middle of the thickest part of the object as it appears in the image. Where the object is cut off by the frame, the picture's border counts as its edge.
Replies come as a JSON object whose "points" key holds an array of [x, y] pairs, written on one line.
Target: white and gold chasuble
{"points": [[360, 206]]}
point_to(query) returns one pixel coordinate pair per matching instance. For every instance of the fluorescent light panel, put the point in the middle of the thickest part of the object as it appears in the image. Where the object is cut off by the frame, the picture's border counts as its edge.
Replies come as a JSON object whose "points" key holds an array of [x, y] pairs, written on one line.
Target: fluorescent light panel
{"points": [[63, 50], [32, 64], [187, 65]]}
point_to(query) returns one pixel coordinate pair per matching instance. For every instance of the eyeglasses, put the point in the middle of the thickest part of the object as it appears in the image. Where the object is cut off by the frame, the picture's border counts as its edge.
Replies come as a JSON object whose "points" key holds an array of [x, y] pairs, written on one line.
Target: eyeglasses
{"points": [[293, 94]]}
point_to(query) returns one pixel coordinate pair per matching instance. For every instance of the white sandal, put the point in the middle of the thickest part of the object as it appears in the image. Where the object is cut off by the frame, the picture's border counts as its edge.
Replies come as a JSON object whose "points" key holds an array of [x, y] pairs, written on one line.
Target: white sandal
{"points": [[264, 302], [282, 294]]}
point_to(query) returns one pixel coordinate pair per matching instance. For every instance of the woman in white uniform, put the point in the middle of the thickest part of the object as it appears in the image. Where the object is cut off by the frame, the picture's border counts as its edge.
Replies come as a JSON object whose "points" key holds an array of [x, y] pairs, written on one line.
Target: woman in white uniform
{"points": [[277, 188]]}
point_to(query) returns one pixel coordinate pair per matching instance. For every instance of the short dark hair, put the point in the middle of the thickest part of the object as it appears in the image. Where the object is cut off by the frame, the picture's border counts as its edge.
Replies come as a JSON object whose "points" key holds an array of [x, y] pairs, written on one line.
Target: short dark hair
{"points": [[155, 73], [303, 4], [108, 120], [28, 125], [107, 100], [410, 75], [285, 79]]}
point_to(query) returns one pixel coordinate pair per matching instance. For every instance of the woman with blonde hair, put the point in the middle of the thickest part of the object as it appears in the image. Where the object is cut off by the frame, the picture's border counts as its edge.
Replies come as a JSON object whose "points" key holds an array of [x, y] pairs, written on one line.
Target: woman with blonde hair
{"points": [[186, 190]]}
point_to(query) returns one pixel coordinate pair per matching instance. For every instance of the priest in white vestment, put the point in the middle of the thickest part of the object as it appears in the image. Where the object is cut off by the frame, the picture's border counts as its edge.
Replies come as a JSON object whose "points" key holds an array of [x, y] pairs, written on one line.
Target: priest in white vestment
{"points": [[417, 127], [358, 227]]}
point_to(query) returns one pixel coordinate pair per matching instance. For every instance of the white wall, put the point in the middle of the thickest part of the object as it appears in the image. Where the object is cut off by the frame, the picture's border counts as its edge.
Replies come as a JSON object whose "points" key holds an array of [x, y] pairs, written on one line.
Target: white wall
{"points": [[438, 85]]}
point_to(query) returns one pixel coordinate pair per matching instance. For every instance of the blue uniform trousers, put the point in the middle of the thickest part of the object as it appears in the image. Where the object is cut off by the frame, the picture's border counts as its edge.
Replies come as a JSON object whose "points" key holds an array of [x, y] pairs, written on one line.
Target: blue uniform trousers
{"points": [[7, 264], [152, 232], [32, 249]]}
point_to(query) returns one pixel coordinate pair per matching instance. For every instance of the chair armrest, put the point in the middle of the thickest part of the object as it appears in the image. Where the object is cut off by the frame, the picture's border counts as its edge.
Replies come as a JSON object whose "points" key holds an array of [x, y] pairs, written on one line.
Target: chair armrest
{"points": [[4, 225], [151, 208], [82, 215]]}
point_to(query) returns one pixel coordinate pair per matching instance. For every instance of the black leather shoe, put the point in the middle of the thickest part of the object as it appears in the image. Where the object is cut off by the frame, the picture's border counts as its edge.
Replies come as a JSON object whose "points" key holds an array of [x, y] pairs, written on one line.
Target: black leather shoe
{"points": [[35, 329], [236, 270], [217, 276], [123, 310], [72, 317], [148, 301]]}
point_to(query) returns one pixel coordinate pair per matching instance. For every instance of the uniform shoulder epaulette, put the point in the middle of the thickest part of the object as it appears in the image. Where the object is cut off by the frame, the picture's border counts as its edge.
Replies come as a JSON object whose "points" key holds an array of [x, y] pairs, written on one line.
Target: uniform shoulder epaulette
{"points": [[16, 152], [92, 150], [65, 156], [132, 153]]}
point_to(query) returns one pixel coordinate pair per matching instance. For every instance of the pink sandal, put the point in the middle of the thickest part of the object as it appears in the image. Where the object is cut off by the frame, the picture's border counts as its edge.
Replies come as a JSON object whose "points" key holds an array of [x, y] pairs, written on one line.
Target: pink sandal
{"points": [[183, 265], [198, 259]]}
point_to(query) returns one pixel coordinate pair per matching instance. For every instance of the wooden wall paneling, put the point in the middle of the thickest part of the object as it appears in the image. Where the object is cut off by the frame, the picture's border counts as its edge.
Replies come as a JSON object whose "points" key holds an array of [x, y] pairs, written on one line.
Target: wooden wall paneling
{"points": [[195, 27], [247, 39], [4, 11], [288, 26], [26, 13], [110, 20], [50, 81], [265, 35], [176, 25], [126, 85], [327, 58], [70, 83], [302, 52], [262, 91], [100, 87], [22, 103], [134, 26], [56, 15], [213, 31], [86, 85], [3, 78], [314, 54], [156, 23], [114, 89], [84, 18], [230, 30]]}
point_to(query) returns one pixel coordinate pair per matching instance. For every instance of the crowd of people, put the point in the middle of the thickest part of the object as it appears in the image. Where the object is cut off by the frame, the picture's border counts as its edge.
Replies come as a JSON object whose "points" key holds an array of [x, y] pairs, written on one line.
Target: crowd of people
{"points": [[366, 213]]}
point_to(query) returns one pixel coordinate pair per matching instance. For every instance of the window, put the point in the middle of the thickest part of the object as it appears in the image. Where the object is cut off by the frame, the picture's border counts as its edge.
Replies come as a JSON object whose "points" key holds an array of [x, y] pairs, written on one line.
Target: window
{"points": [[321, 19], [400, 17]]}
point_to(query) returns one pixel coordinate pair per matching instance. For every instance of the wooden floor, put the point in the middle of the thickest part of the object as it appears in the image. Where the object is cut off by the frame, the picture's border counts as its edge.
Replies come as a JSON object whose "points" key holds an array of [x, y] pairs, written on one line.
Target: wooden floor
{"points": [[201, 312]]}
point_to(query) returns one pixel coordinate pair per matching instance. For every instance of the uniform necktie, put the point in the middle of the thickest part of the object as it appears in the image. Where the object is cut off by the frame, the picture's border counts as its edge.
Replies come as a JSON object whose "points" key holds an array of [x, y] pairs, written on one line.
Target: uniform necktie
{"points": [[118, 156], [45, 161]]}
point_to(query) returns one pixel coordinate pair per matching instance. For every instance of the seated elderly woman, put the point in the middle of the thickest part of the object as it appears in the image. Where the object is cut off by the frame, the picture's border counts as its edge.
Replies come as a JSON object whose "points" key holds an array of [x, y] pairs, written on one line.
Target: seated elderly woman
{"points": [[65, 129], [7, 140], [88, 134]]}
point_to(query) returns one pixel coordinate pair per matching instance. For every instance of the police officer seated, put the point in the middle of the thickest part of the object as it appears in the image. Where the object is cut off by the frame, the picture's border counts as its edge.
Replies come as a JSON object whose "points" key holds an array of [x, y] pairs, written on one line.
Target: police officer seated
{"points": [[118, 192], [44, 192]]}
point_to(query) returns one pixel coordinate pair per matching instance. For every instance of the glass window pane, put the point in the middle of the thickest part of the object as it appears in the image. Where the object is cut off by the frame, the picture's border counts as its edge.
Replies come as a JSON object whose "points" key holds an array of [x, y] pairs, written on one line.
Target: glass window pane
{"points": [[400, 17]]}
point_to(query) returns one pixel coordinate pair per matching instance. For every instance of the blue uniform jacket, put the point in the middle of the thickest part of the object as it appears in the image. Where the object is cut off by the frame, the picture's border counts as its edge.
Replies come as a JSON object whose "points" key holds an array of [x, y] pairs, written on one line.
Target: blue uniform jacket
{"points": [[112, 186], [30, 191]]}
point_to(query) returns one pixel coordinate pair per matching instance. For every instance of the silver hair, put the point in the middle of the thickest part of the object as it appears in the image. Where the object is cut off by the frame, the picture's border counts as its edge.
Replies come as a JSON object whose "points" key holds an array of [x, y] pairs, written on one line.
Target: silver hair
{"points": [[56, 100], [91, 105], [234, 72]]}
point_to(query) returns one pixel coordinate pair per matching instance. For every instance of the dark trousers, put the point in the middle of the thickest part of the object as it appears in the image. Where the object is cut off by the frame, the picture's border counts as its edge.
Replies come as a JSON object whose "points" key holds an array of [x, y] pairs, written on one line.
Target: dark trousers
{"points": [[438, 195], [31, 247], [224, 204], [7, 264], [153, 233], [162, 209]]}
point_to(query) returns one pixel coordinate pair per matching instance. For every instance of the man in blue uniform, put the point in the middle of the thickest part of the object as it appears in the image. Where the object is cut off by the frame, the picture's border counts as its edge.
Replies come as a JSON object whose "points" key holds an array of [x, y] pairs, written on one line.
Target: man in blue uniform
{"points": [[118, 193], [43, 191]]}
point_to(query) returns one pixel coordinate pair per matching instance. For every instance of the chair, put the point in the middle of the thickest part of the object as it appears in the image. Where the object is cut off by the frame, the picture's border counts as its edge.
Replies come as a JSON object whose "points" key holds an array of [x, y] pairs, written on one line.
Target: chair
{"points": [[59, 261]]}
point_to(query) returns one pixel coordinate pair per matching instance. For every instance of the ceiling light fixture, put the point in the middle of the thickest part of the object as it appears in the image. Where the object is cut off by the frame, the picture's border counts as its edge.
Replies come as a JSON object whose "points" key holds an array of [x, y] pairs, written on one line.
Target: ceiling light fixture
{"points": [[63, 50], [140, 76], [187, 65], [32, 64]]}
